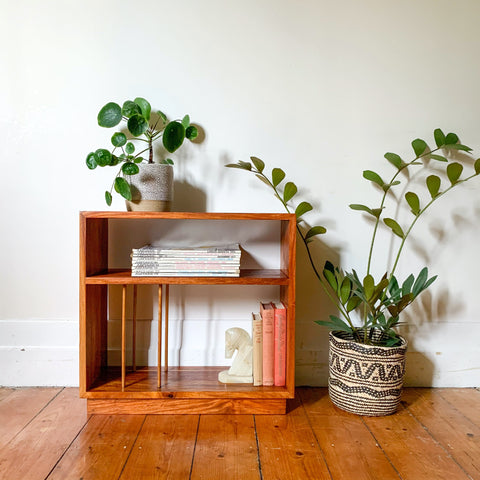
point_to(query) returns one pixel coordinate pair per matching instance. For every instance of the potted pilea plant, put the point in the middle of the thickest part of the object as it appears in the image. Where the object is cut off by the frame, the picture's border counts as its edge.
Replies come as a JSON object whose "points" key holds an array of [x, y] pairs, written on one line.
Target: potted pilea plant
{"points": [[367, 354], [145, 184]]}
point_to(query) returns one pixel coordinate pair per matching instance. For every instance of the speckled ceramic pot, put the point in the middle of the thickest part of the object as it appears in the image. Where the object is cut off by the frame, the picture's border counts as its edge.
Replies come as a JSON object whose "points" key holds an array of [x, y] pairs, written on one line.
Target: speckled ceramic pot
{"points": [[152, 188], [365, 379]]}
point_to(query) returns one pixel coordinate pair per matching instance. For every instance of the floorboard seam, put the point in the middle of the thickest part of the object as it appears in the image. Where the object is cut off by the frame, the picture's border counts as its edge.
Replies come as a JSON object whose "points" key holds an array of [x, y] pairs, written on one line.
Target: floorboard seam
{"points": [[315, 436], [381, 448], [69, 445], [194, 449], [133, 445], [453, 406], [36, 415], [438, 443], [258, 448]]}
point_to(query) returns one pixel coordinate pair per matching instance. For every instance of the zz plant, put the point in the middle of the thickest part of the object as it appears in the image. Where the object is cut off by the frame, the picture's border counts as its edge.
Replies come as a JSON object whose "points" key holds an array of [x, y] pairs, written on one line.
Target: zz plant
{"points": [[378, 303], [142, 125]]}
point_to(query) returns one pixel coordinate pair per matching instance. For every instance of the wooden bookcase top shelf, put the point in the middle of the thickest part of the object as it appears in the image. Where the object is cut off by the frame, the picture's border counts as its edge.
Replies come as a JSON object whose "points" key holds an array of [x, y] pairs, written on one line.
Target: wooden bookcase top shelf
{"points": [[182, 389]]}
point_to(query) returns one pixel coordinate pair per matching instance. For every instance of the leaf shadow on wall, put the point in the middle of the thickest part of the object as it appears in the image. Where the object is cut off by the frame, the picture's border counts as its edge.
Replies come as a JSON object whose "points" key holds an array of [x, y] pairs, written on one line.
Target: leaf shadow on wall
{"points": [[312, 303]]}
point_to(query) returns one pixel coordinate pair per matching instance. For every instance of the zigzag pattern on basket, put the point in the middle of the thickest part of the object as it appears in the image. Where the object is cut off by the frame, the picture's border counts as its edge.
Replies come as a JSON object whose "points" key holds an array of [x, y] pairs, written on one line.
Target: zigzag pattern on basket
{"points": [[364, 390], [367, 350], [374, 371]]}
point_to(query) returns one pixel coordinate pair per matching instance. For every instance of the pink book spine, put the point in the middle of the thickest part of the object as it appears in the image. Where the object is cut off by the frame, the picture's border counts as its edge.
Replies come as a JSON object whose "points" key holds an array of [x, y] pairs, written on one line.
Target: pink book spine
{"points": [[280, 347], [267, 312]]}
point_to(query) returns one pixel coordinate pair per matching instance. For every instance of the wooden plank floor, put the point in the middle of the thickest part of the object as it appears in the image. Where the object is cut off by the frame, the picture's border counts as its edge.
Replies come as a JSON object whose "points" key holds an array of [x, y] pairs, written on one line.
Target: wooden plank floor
{"points": [[45, 433]]}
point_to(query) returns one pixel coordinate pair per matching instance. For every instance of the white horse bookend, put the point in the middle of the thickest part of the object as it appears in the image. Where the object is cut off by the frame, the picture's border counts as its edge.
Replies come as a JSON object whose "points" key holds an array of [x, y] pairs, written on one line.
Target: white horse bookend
{"points": [[241, 369]]}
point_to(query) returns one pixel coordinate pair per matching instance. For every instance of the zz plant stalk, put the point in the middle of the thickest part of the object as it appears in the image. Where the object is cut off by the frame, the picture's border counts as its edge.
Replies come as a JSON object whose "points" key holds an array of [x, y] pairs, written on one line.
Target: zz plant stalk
{"points": [[142, 125], [379, 304]]}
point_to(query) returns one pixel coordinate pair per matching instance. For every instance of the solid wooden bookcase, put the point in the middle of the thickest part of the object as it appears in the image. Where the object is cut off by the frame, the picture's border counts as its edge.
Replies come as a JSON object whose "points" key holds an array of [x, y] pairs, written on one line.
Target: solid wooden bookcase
{"points": [[167, 390]]}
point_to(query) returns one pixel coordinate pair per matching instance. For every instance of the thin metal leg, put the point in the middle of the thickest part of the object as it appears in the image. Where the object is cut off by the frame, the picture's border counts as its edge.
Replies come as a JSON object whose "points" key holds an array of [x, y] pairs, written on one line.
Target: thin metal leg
{"points": [[124, 309], [167, 291], [134, 328], [159, 346]]}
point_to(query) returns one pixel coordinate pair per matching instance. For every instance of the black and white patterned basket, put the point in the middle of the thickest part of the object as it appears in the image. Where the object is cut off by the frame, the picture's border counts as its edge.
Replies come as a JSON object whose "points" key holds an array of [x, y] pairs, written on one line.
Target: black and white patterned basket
{"points": [[365, 379]]}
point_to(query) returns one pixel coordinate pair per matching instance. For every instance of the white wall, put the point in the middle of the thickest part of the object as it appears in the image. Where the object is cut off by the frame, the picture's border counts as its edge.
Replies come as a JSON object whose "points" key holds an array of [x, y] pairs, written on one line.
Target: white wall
{"points": [[321, 89]]}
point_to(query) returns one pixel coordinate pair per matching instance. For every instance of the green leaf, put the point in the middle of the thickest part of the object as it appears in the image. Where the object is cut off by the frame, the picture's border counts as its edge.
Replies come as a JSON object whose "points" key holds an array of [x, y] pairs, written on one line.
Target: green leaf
{"points": [[289, 191], [277, 176], [241, 165], [459, 146], [191, 132], [130, 168], [407, 285], [91, 162], [144, 107], [433, 185], [420, 281], [396, 229], [368, 286], [110, 115], [108, 198], [439, 137], [259, 165], [394, 159], [102, 157], [477, 166], [362, 208], [451, 139], [162, 116], [130, 108], [353, 303], [114, 160], [129, 148], [413, 201], [173, 136], [138, 160], [335, 323], [419, 146], [345, 290], [119, 139], [167, 161], [373, 177], [454, 170], [302, 208], [440, 158], [186, 121], [318, 230], [123, 188], [137, 125]]}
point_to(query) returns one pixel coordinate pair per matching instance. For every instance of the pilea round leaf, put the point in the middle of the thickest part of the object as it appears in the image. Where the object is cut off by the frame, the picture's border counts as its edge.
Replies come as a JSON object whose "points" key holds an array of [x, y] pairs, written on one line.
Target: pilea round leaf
{"points": [[173, 136], [137, 125], [91, 162], [145, 107], [191, 132], [130, 108], [129, 148], [186, 121], [130, 168], [110, 115], [108, 198], [102, 157], [138, 159], [123, 188], [119, 139]]}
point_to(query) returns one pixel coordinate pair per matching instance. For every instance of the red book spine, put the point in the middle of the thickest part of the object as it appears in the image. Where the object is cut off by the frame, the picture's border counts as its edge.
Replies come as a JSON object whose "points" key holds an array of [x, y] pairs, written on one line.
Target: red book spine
{"points": [[280, 344], [267, 312]]}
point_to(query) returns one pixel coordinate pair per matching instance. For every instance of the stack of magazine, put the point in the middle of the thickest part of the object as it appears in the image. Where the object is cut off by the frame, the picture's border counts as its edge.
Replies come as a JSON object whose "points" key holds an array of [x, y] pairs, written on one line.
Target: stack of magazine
{"points": [[205, 261]]}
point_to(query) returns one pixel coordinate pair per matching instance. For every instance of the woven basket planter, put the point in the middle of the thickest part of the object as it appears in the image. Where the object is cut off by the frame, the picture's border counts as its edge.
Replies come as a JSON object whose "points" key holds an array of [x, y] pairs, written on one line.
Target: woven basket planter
{"points": [[365, 379]]}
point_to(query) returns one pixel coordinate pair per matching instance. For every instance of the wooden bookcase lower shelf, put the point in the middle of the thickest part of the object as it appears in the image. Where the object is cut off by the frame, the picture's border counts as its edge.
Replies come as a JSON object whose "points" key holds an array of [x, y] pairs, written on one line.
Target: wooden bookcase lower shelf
{"points": [[183, 390]]}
